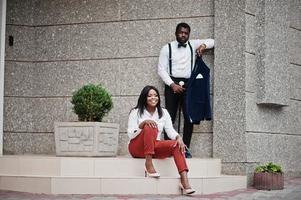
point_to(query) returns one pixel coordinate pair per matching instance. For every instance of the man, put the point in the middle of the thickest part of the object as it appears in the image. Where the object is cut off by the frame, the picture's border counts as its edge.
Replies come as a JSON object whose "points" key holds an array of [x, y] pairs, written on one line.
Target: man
{"points": [[175, 65]]}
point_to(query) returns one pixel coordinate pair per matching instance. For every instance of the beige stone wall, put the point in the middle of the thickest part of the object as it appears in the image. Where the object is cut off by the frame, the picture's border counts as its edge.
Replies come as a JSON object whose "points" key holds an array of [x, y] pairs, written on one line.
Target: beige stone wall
{"points": [[61, 45], [257, 85], [273, 131]]}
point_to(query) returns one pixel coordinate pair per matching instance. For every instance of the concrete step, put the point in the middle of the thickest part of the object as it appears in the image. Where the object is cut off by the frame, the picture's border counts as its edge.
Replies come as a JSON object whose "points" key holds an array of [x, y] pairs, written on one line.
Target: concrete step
{"points": [[125, 185], [101, 167], [121, 175]]}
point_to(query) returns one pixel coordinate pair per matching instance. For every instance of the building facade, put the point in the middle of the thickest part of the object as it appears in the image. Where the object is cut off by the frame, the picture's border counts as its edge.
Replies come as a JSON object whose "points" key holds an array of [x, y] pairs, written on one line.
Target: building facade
{"points": [[54, 47]]}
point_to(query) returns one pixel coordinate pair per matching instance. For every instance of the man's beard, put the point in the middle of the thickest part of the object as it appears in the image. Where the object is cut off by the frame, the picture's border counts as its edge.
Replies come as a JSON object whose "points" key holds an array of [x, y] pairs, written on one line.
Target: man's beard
{"points": [[181, 41]]}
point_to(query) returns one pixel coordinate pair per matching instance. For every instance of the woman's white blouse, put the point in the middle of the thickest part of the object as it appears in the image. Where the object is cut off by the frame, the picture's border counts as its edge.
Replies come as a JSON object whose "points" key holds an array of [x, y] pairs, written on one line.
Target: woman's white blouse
{"points": [[163, 123]]}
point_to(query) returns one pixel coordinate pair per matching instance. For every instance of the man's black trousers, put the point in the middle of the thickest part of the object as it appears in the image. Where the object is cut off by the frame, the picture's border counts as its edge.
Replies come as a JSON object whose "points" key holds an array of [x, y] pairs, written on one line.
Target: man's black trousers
{"points": [[172, 103]]}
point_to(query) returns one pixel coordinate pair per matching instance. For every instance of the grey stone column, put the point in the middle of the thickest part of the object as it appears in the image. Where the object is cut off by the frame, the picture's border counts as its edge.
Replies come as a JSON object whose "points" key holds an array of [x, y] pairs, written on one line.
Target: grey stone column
{"points": [[272, 59], [229, 99], [2, 50]]}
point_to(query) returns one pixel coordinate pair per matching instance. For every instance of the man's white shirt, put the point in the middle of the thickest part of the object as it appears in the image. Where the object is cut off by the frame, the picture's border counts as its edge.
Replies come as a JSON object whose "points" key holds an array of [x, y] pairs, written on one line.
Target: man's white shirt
{"points": [[180, 59]]}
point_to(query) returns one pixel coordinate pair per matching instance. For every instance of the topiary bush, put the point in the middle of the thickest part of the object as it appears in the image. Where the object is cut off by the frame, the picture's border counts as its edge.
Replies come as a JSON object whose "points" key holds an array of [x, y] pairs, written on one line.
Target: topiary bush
{"points": [[91, 103]]}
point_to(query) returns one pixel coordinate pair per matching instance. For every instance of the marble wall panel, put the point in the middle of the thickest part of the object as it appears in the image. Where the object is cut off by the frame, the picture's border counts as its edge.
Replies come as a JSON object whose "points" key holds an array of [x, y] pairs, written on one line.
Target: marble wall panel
{"points": [[287, 153], [143, 9], [279, 148], [24, 45], [250, 6], [14, 14], [137, 73], [63, 78], [126, 104], [295, 117], [19, 78], [17, 114], [112, 40], [295, 78], [28, 143], [201, 145], [250, 72], [272, 32], [53, 42], [295, 14], [142, 43], [260, 147], [294, 41], [268, 119], [39, 114], [250, 33], [76, 11], [123, 145], [34, 114], [203, 127]]}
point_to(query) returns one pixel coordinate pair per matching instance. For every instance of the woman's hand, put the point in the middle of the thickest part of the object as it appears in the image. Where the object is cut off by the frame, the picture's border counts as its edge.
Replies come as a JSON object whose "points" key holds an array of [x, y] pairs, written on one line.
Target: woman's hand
{"points": [[181, 144], [150, 123]]}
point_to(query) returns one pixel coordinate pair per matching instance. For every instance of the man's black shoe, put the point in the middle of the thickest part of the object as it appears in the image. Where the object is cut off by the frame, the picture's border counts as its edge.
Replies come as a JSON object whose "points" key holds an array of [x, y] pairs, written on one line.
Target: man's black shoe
{"points": [[188, 154]]}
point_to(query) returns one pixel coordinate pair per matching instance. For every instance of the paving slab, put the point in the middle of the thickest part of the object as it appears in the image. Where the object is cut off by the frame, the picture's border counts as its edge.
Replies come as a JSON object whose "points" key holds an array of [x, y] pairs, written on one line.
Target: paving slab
{"points": [[291, 191]]}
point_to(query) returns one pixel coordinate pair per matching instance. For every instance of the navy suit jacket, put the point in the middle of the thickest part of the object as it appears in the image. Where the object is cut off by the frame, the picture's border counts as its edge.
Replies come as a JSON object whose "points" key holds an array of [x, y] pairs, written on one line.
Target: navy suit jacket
{"points": [[198, 93]]}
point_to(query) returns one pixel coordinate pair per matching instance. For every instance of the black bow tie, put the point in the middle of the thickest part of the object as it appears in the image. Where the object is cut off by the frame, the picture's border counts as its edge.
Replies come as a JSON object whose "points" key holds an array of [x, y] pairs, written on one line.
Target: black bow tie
{"points": [[181, 45]]}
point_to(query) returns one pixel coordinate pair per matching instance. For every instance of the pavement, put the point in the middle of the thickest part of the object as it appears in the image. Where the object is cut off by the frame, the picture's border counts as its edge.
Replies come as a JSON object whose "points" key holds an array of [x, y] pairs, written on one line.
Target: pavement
{"points": [[291, 191]]}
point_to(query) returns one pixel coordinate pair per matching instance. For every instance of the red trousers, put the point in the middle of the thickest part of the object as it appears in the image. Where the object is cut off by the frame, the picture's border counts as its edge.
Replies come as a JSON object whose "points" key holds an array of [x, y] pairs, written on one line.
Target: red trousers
{"points": [[146, 143]]}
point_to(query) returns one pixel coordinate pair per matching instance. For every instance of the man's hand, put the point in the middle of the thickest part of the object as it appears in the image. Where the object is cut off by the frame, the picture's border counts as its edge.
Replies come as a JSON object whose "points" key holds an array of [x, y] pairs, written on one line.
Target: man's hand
{"points": [[201, 49], [177, 88]]}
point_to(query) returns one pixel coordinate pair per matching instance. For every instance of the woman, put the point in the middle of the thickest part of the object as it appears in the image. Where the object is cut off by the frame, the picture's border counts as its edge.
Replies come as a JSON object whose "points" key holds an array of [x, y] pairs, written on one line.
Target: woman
{"points": [[146, 123]]}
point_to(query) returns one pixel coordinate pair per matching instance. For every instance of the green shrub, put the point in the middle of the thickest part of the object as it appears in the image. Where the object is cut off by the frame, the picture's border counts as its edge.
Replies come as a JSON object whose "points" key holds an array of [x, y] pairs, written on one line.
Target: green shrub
{"points": [[270, 167], [91, 103]]}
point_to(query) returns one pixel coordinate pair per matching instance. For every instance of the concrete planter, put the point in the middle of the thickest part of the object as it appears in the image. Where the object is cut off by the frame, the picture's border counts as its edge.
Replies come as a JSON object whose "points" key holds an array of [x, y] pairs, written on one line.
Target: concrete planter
{"points": [[86, 138], [268, 181]]}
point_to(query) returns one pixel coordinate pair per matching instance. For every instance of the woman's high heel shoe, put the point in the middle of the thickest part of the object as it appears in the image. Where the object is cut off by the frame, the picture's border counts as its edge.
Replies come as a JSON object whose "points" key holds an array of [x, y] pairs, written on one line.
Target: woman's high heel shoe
{"points": [[184, 191], [151, 175]]}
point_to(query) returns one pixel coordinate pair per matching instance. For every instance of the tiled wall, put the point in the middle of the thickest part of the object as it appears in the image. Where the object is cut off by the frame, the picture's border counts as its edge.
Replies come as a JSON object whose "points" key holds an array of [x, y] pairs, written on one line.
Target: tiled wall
{"points": [[246, 133], [274, 133], [61, 45]]}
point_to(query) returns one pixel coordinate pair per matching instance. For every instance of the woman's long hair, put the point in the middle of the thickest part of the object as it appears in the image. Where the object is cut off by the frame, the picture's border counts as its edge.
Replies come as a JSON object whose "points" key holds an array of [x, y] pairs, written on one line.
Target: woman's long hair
{"points": [[142, 100]]}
